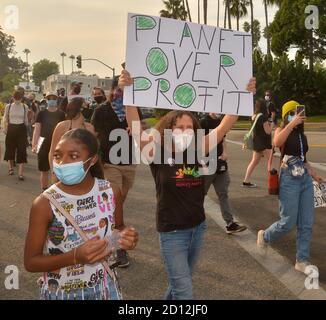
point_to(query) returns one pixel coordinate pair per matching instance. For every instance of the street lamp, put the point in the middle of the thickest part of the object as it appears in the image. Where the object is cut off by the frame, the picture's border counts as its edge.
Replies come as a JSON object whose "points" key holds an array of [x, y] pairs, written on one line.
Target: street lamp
{"points": [[63, 55], [27, 52], [72, 57]]}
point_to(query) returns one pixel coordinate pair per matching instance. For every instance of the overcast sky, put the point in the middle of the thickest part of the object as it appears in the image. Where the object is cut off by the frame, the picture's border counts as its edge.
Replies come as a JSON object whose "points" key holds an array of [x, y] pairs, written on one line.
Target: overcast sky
{"points": [[92, 28]]}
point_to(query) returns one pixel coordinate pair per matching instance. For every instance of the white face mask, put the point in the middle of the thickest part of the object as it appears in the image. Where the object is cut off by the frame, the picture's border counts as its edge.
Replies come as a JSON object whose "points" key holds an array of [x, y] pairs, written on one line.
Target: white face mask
{"points": [[267, 98], [182, 141]]}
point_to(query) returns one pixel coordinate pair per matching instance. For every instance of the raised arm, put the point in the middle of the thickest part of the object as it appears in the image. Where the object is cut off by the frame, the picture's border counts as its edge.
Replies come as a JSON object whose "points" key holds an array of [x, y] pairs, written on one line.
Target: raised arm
{"points": [[211, 140], [132, 115], [281, 135]]}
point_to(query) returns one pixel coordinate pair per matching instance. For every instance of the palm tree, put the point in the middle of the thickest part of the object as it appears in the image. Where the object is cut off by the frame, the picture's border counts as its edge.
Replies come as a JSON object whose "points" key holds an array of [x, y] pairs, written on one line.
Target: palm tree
{"points": [[188, 10], [205, 11], [267, 33], [27, 52], [198, 11], [252, 20], [63, 55], [174, 9], [238, 9], [255, 31], [72, 57], [218, 13], [227, 13]]}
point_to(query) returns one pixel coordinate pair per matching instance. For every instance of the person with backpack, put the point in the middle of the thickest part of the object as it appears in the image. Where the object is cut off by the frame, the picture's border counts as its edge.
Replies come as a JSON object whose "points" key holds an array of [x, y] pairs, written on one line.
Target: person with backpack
{"points": [[262, 140], [73, 229], [15, 128]]}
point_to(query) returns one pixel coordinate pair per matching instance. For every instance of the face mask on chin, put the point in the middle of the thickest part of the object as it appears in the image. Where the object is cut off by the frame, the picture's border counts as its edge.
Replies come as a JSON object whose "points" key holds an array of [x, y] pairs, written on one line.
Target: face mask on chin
{"points": [[182, 141], [267, 98], [71, 173]]}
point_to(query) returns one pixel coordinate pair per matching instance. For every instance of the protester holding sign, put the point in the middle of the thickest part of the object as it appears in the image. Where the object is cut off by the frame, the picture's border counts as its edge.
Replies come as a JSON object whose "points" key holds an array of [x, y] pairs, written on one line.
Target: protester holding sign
{"points": [[296, 195], [180, 188], [46, 122], [262, 140]]}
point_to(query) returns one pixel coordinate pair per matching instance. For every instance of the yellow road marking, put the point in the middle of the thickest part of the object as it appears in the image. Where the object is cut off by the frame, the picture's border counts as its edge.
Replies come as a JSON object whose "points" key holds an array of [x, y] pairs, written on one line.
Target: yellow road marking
{"points": [[317, 145]]}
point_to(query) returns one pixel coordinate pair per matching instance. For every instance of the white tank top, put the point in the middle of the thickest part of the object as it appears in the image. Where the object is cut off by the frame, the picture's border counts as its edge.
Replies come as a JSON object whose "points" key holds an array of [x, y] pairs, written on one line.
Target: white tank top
{"points": [[94, 213]]}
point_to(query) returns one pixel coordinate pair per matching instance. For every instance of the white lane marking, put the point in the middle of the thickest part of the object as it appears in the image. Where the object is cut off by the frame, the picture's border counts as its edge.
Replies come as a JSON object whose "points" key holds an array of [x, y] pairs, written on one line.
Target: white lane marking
{"points": [[319, 166], [272, 261]]}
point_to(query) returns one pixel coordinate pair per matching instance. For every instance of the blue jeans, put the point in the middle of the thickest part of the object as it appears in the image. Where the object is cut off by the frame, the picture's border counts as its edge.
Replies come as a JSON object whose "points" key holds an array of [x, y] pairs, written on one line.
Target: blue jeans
{"points": [[180, 251], [296, 202]]}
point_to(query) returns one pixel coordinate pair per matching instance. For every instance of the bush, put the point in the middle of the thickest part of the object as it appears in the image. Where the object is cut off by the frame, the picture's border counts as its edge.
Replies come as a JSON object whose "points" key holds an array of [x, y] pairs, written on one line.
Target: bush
{"points": [[291, 79]]}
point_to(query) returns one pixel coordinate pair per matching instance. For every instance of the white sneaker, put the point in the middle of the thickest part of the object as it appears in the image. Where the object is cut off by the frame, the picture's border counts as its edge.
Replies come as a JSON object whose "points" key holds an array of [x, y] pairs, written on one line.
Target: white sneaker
{"points": [[303, 267], [261, 243]]}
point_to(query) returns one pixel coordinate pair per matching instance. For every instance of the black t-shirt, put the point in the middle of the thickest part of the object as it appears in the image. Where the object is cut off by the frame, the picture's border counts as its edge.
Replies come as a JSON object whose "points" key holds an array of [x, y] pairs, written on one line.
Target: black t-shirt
{"points": [[48, 121], [208, 123], [180, 193], [270, 108], [292, 145], [105, 120], [261, 139]]}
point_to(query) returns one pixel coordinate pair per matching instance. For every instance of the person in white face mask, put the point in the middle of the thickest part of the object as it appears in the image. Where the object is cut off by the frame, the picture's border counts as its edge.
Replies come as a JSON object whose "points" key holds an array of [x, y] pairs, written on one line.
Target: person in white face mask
{"points": [[46, 121], [180, 188], [271, 108]]}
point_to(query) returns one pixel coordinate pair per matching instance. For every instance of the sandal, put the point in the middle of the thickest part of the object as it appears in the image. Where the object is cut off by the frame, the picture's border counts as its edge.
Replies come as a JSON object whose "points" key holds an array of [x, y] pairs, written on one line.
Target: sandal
{"points": [[11, 172], [21, 178]]}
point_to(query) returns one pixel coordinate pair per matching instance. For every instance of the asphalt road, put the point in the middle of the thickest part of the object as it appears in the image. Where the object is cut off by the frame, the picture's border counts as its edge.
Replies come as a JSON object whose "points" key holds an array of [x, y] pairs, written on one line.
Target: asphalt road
{"points": [[228, 267]]}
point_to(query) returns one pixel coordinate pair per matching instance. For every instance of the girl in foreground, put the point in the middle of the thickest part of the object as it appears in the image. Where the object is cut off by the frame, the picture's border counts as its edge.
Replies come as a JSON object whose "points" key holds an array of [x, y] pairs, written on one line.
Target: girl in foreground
{"points": [[73, 268]]}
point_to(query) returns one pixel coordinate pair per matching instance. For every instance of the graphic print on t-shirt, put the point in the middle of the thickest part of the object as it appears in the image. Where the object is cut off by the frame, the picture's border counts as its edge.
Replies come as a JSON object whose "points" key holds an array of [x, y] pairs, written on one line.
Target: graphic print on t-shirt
{"points": [[94, 213], [188, 177]]}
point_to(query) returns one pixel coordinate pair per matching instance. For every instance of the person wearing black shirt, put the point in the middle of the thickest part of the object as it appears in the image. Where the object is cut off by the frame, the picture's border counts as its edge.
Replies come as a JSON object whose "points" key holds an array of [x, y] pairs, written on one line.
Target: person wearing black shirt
{"points": [[120, 171], [75, 89], [271, 108], [180, 188], [220, 178], [46, 121], [262, 139], [296, 195]]}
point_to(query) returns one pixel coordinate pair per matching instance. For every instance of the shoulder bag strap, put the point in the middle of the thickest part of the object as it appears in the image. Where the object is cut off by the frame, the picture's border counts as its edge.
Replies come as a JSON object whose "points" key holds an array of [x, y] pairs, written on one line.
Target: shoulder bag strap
{"points": [[77, 228], [255, 122]]}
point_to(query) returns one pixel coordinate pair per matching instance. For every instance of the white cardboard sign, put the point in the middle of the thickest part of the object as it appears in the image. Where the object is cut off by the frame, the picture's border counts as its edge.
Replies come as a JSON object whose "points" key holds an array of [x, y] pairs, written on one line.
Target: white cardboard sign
{"points": [[186, 66]]}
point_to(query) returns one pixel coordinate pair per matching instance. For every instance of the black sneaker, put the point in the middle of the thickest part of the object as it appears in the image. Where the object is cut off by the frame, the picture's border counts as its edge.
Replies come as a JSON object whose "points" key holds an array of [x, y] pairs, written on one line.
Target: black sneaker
{"points": [[122, 258], [235, 227], [249, 185]]}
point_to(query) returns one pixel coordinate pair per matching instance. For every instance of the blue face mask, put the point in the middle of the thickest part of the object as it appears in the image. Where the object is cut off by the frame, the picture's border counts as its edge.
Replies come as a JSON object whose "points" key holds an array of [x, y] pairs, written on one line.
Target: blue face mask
{"points": [[70, 173], [52, 103], [290, 118]]}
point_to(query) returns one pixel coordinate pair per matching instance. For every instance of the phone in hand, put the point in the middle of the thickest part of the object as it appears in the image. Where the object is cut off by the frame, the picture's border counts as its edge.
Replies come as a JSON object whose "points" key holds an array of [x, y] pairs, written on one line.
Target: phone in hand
{"points": [[301, 109]]}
